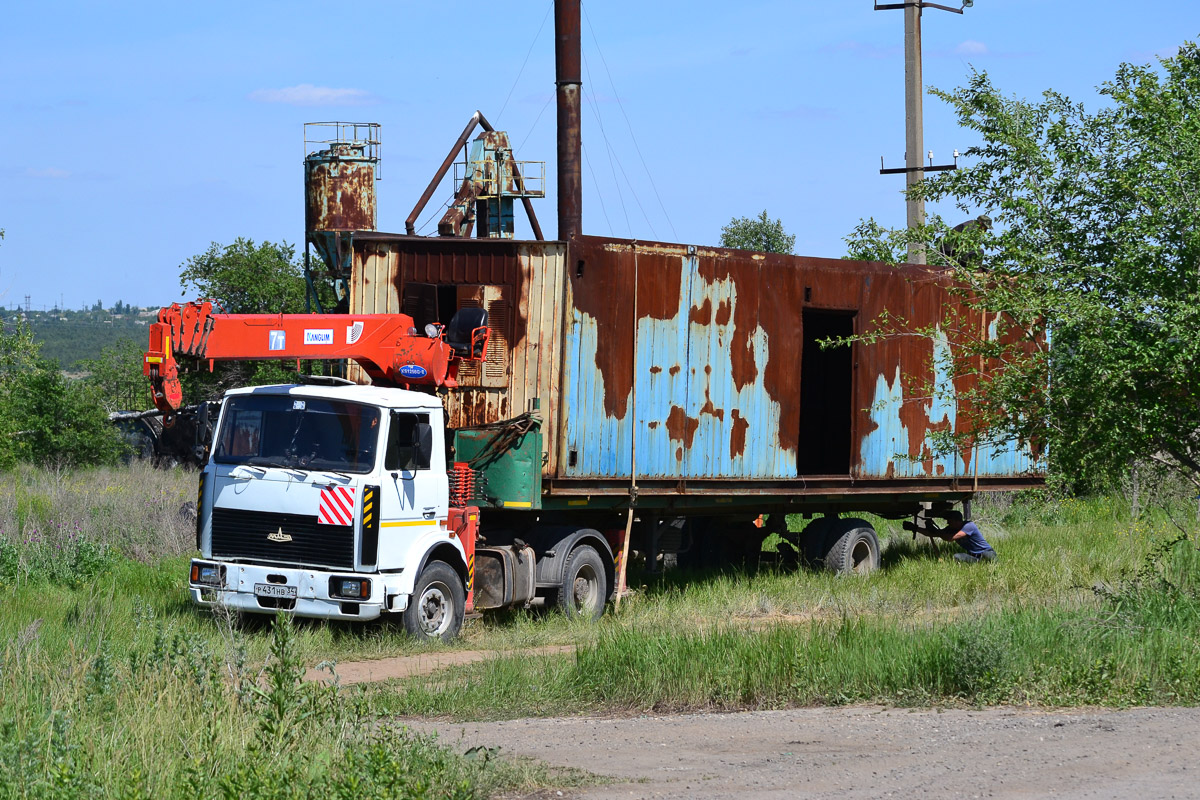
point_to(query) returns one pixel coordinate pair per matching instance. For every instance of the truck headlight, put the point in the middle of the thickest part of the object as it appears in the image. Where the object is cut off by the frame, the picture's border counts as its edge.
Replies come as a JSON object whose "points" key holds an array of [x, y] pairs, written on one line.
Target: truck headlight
{"points": [[353, 588], [207, 574]]}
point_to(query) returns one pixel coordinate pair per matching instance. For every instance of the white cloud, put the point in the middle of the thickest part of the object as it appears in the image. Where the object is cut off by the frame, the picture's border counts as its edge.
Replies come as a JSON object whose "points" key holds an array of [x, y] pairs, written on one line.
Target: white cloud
{"points": [[971, 48], [305, 94], [48, 172]]}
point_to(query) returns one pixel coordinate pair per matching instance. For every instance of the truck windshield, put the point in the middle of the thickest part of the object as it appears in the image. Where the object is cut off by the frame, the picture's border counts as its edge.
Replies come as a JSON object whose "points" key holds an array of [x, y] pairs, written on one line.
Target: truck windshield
{"points": [[263, 430]]}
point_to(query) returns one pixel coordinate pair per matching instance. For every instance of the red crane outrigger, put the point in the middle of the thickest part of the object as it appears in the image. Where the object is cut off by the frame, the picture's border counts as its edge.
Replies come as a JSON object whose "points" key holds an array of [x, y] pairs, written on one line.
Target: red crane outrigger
{"points": [[387, 346]]}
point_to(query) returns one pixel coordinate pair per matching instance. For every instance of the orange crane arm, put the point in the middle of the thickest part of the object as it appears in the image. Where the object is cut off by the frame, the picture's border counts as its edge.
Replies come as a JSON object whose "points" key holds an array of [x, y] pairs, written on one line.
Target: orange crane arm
{"points": [[387, 346]]}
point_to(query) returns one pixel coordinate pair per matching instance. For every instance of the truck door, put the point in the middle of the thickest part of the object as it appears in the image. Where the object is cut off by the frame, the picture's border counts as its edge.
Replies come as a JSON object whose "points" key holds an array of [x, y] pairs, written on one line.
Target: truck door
{"points": [[414, 486]]}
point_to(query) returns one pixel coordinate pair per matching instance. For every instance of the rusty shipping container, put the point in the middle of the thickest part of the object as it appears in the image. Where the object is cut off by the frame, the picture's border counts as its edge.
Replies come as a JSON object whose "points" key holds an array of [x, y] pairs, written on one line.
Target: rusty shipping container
{"points": [[695, 371]]}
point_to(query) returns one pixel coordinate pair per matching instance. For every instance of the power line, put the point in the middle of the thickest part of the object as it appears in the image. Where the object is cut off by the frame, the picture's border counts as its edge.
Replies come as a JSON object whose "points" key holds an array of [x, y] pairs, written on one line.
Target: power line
{"points": [[535, 122], [628, 124], [595, 108], [599, 194], [521, 71]]}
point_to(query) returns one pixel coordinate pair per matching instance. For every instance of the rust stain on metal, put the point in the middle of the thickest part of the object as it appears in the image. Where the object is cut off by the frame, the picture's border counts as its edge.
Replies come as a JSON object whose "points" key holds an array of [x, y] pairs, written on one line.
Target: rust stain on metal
{"points": [[655, 369], [681, 427], [745, 280], [660, 280], [702, 314], [724, 310], [674, 370], [340, 191], [711, 410], [737, 440]]}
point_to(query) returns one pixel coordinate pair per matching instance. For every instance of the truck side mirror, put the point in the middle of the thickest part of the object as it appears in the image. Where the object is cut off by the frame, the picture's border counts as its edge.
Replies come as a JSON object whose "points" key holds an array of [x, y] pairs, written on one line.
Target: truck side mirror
{"points": [[423, 445], [202, 424]]}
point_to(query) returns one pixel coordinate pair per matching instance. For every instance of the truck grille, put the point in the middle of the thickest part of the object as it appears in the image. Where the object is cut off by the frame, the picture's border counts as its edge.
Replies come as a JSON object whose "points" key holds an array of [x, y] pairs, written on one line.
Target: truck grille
{"points": [[244, 534]]}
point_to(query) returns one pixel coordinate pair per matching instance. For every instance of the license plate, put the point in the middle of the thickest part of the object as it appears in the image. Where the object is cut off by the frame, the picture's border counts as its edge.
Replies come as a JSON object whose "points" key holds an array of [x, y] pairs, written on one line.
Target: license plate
{"points": [[275, 590]]}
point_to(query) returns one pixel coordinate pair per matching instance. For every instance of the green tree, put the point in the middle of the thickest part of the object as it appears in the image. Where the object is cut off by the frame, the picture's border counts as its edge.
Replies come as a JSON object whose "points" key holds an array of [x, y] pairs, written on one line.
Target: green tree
{"points": [[44, 417], [243, 278], [117, 376], [247, 278], [1096, 239], [761, 234]]}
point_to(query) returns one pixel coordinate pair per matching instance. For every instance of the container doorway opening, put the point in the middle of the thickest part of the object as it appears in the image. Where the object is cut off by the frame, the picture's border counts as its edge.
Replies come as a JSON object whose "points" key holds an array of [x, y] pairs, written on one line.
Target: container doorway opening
{"points": [[826, 394]]}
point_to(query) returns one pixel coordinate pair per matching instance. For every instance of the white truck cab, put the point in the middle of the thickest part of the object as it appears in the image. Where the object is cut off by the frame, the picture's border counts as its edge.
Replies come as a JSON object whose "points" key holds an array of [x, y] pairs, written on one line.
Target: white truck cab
{"points": [[332, 502]]}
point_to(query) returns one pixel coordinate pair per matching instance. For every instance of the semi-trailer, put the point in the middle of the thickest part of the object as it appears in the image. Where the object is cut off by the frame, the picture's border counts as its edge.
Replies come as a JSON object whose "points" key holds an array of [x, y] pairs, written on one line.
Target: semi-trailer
{"points": [[522, 415]]}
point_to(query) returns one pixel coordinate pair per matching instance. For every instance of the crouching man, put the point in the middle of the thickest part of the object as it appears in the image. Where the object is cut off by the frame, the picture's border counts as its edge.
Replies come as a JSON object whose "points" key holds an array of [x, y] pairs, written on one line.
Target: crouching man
{"points": [[966, 534]]}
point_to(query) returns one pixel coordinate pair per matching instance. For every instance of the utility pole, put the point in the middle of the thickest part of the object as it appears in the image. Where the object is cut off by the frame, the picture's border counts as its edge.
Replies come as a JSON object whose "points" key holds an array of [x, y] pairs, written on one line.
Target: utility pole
{"points": [[914, 113], [914, 124]]}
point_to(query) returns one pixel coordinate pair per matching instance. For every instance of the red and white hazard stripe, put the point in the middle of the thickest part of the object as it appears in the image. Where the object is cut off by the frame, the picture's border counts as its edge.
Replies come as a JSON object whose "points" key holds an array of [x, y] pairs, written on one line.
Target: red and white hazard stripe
{"points": [[337, 506]]}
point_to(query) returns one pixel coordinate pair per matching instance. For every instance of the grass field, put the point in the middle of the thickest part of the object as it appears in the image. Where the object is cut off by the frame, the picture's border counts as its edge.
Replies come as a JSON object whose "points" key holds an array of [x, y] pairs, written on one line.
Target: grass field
{"points": [[111, 684]]}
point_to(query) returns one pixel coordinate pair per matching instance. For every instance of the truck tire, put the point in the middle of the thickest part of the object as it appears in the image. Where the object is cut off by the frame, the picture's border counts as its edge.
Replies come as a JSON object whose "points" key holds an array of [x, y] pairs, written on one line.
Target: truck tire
{"points": [[584, 588], [438, 604], [814, 539], [853, 548]]}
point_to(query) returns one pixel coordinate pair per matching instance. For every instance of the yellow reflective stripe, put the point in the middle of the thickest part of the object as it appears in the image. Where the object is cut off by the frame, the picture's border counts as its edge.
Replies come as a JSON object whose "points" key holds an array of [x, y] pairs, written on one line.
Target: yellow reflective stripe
{"points": [[577, 502], [368, 507], [517, 504], [411, 523]]}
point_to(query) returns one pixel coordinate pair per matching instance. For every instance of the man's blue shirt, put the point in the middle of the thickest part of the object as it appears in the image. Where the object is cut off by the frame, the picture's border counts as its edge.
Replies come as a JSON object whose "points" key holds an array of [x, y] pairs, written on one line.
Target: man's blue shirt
{"points": [[973, 542]]}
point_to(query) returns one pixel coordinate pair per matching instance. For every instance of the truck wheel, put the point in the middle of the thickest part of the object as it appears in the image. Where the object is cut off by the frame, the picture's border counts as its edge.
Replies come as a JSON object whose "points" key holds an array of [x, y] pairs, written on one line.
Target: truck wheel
{"points": [[438, 604], [854, 548], [814, 539], [584, 589]]}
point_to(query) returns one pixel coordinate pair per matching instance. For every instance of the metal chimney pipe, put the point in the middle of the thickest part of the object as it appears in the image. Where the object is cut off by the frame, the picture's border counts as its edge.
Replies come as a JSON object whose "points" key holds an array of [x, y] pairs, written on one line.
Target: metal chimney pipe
{"points": [[570, 145]]}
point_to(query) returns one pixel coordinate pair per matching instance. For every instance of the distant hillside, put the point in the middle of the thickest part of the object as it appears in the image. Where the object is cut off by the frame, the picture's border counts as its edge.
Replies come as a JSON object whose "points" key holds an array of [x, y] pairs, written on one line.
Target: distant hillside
{"points": [[69, 337]]}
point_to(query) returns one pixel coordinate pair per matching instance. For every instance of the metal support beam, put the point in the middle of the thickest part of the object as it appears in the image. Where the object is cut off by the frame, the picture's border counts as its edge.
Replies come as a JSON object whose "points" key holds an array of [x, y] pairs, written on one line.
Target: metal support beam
{"points": [[476, 119]]}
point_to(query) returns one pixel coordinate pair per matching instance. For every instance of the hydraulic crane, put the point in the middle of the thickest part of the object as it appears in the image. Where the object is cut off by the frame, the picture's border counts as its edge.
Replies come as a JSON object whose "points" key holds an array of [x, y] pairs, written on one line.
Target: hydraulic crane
{"points": [[388, 346]]}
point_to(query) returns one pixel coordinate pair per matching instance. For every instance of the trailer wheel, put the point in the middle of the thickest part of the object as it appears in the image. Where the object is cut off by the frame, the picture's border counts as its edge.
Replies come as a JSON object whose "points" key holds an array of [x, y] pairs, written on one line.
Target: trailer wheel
{"points": [[438, 604], [584, 588], [853, 549], [814, 539]]}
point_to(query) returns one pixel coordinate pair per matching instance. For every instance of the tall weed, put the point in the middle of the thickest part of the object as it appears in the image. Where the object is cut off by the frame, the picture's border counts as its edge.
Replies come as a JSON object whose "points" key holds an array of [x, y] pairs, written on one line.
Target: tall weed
{"points": [[160, 720], [68, 526]]}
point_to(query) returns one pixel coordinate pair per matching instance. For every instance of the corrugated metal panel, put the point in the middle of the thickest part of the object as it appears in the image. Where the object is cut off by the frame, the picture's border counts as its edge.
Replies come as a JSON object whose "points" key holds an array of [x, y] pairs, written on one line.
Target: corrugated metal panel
{"points": [[523, 281], [598, 363], [698, 381], [709, 376], [706, 368], [537, 329]]}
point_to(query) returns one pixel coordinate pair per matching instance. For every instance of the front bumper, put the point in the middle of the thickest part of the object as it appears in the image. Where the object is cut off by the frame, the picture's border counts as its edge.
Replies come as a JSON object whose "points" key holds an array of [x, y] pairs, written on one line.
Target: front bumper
{"points": [[236, 592]]}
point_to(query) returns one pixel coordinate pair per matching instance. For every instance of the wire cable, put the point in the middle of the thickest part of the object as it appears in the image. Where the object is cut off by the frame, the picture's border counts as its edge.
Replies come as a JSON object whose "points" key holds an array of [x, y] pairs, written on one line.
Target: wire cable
{"points": [[628, 124], [521, 71], [595, 107], [429, 219], [535, 122], [599, 194]]}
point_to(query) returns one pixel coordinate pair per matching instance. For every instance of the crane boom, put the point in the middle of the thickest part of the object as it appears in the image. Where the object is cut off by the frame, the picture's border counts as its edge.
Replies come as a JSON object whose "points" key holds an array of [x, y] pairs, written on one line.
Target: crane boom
{"points": [[387, 346]]}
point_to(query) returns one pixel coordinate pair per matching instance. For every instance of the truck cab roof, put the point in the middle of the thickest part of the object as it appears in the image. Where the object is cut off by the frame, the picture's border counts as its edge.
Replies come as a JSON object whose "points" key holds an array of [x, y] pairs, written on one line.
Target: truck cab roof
{"points": [[383, 396]]}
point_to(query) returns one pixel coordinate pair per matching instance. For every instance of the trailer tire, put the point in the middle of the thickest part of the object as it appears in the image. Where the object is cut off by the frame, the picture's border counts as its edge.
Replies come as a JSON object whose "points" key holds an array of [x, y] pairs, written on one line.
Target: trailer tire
{"points": [[438, 604], [814, 540], [853, 549], [584, 589]]}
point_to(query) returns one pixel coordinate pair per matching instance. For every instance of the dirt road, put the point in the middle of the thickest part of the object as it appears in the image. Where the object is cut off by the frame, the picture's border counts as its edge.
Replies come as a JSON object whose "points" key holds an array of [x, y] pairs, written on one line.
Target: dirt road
{"points": [[863, 752]]}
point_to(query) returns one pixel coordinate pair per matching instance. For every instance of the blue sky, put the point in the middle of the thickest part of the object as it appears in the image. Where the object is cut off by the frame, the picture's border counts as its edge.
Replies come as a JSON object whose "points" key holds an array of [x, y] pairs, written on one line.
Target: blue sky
{"points": [[136, 133]]}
